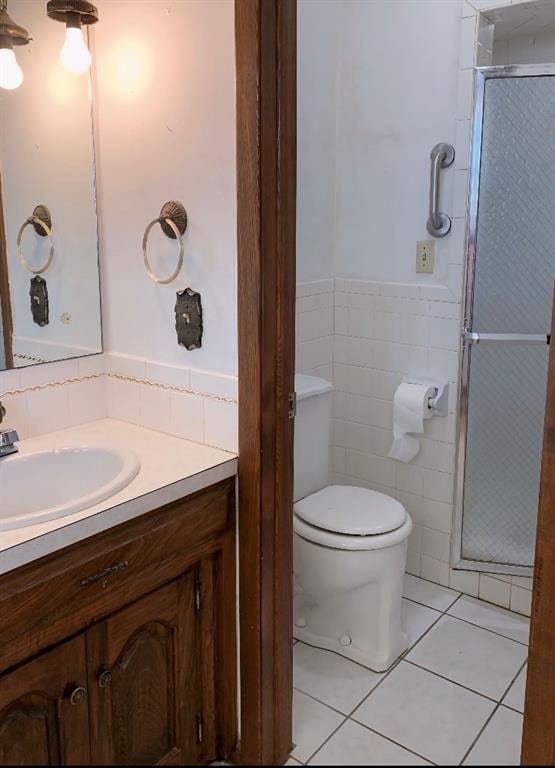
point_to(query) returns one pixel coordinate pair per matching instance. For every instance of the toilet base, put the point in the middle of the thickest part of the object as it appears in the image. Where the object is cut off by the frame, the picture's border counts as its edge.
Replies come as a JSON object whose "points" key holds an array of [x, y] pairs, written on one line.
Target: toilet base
{"points": [[352, 651]]}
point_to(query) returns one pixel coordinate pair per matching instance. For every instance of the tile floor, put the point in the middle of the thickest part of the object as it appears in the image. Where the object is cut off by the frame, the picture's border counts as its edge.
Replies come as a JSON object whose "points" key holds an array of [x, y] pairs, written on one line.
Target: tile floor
{"points": [[456, 696]]}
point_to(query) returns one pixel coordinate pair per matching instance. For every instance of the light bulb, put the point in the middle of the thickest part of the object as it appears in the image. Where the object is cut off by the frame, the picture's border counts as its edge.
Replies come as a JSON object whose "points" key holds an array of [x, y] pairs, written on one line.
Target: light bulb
{"points": [[75, 55], [11, 74]]}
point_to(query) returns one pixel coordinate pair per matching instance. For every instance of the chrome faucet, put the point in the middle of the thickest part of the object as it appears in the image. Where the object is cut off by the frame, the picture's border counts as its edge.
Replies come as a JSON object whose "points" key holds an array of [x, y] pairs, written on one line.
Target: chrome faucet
{"points": [[8, 437]]}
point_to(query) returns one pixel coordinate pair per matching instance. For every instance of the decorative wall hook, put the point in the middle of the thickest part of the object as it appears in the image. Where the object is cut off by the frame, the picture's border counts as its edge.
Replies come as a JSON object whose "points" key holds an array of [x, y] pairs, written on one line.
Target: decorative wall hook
{"points": [[41, 221], [173, 222]]}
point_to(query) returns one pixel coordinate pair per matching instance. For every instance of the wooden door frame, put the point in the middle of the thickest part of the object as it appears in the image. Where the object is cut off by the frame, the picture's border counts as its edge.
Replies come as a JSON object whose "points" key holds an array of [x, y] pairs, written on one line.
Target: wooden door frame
{"points": [[265, 40], [538, 742], [5, 300]]}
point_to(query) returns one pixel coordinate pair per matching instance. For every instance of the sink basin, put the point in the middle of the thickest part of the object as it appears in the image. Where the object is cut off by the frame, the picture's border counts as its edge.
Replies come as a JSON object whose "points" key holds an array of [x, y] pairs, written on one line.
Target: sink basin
{"points": [[47, 484]]}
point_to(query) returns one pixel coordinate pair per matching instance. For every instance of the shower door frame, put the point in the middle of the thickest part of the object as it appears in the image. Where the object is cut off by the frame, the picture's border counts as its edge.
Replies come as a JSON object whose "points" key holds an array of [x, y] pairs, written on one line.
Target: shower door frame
{"points": [[482, 74]]}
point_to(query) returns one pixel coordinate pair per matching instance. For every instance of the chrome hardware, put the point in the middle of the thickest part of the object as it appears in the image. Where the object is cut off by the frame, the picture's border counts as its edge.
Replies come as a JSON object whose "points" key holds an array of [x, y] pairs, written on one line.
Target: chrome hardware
{"points": [[77, 695], [7, 438], [105, 678], [442, 156], [104, 573], [200, 729], [173, 220], [41, 221], [292, 405], [471, 337]]}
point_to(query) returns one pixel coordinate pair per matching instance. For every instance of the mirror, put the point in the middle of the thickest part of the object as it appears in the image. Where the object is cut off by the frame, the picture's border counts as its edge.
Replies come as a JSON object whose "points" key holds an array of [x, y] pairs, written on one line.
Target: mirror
{"points": [[49, 283]]}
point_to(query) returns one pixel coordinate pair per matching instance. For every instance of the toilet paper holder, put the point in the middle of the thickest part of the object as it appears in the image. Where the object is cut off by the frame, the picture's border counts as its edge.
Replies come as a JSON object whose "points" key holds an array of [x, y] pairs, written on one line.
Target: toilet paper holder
{"points": [[439, 403]]}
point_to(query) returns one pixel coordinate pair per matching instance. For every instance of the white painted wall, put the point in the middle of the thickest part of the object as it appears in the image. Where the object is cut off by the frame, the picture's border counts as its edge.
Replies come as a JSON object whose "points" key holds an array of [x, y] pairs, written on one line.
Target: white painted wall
{"points": [[377, 89], [165, 113], [317, 70], [396, 100], [46, 156]]}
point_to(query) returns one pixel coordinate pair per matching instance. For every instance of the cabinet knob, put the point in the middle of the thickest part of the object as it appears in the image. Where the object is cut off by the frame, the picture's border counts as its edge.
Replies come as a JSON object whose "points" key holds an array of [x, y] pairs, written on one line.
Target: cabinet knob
{"points": [[77, 695], [105, 678]]}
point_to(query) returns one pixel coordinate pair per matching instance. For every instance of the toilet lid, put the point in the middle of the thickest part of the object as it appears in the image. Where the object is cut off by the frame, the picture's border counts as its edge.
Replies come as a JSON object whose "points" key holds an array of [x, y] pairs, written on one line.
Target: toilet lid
{"points": [[349, 510]]}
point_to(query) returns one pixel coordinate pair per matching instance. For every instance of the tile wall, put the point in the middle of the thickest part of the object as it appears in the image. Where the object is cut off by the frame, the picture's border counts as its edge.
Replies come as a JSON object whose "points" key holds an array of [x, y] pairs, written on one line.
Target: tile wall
{"points": [[191, 404], [376, 334]]}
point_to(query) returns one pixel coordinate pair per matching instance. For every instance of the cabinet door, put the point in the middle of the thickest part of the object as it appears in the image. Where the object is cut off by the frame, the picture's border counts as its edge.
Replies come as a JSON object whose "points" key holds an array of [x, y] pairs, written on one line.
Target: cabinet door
{"points": [[43, 709], [144, 680]]}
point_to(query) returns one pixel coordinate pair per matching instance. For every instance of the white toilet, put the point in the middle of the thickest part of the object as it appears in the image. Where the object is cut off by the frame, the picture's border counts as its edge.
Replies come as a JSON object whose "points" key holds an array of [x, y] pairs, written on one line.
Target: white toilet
{"points": [[350, 547]]}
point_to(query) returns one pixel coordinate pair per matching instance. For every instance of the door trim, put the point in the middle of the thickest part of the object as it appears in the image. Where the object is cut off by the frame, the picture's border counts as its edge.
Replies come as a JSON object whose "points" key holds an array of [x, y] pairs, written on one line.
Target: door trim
{"points": [[482, 74], [538, 741], [265, 39], [5, 299]]}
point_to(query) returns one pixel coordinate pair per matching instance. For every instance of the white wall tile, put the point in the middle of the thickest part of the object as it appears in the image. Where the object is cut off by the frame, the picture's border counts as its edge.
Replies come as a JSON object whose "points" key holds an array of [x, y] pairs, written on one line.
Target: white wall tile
{"points": [[87, 400], [47, 410], [494, 591], [220, 424], [521, 600], [16, 414]]}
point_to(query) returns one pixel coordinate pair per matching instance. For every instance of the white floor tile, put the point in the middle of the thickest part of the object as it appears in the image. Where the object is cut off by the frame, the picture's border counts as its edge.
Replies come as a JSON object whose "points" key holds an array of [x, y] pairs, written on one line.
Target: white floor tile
{"points": [[470, 655], [515, 694], [423, 712], [491, 617], [432, 595], [312, 724], [331, 678], [416, 619], [292, 761], [355, 745], [500, 742]]}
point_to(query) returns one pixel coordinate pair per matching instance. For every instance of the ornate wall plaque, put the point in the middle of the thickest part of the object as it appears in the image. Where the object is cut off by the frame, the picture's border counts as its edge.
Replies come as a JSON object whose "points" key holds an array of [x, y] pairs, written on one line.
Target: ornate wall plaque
{"points": [[39, 300], [188, 319]]}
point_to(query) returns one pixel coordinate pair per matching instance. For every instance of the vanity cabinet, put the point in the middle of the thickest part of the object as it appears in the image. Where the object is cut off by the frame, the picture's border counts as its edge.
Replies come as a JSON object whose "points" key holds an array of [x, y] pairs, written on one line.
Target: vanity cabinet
{"points": [[43, 714], [149, 607]]}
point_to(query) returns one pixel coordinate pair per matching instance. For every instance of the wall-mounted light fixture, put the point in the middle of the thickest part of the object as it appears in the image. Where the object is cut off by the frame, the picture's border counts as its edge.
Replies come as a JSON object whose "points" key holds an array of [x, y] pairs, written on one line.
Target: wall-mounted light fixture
{"points": [[75, 55], [11, 74]]}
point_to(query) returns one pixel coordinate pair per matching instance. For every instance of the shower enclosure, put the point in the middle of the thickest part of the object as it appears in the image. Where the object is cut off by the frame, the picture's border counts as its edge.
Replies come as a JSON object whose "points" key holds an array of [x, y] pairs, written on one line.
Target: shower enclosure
{"points": [[510, 270]]}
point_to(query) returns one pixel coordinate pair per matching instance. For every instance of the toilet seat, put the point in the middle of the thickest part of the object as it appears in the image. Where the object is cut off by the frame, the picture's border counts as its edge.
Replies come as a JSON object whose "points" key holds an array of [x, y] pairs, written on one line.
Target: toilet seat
{"points": [[347, 517], [348, 541]]}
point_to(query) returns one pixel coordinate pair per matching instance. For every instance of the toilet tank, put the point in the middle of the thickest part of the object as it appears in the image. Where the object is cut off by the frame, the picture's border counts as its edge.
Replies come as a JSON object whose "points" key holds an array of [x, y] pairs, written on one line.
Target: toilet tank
{"points": [[312, 434]]}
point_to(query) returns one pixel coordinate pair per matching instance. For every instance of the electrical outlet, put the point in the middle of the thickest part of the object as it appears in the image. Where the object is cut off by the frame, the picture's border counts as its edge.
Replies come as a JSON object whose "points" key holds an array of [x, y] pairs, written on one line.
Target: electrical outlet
{"points": [[425, 256]]}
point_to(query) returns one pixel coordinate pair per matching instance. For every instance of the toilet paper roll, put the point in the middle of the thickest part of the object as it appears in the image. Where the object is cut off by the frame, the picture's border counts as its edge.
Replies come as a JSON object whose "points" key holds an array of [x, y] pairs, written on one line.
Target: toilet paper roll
{"points": [[410, 409]]}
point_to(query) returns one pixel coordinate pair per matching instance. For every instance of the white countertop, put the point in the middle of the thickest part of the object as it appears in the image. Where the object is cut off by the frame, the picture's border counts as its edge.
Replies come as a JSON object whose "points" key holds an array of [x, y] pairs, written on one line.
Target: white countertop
{"points": [[171, 469]]}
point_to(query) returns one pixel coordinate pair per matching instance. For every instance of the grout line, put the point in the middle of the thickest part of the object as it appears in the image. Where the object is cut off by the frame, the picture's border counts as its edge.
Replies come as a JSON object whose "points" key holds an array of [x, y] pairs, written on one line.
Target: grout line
{"points": [[454, 682], [480, 732], [429, 607], [486, 629]]}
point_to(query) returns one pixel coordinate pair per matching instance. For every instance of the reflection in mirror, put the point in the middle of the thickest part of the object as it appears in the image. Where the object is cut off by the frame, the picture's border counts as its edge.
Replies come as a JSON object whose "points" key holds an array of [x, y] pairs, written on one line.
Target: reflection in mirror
{"points": [[49, 281]]}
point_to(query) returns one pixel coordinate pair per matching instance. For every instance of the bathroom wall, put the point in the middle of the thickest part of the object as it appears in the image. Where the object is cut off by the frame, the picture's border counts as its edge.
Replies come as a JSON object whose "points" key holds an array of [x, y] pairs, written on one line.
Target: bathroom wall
{"points": [[165, 129], [390, 321], [533, 48]]}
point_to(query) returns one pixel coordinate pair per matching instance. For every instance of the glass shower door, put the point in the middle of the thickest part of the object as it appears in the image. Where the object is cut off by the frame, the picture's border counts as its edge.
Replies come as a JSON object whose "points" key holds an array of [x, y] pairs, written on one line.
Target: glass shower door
{"points": [[511, 265]]}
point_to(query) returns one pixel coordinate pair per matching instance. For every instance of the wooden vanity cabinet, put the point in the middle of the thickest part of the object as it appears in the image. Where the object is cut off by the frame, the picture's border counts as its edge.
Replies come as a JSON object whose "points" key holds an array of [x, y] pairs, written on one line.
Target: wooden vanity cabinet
{"points": [[136, 682]]}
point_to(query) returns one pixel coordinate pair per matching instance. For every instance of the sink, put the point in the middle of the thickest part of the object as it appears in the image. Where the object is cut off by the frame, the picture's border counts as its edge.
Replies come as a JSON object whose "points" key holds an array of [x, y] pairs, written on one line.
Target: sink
{"points": [[47, 484]]}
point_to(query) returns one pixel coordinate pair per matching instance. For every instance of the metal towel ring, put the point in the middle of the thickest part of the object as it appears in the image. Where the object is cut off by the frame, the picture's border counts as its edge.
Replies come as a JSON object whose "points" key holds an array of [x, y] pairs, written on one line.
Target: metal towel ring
{"points": [[42, 224], [173, 220]]}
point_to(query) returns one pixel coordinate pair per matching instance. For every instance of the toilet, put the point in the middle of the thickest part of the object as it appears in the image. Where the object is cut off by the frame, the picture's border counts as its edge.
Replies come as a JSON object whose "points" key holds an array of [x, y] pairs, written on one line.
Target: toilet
{"points": [[349, 550]]}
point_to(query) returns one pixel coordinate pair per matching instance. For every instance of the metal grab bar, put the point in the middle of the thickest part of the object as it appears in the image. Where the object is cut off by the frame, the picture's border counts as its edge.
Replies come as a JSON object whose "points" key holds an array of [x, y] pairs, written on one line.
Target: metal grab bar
{"points": [[442, 156], [512, 338]]}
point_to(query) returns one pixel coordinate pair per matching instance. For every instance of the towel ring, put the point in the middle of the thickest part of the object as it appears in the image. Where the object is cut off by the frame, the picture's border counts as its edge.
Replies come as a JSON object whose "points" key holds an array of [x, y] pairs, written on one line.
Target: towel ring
{"points": [[41, 222], [173, 221]]}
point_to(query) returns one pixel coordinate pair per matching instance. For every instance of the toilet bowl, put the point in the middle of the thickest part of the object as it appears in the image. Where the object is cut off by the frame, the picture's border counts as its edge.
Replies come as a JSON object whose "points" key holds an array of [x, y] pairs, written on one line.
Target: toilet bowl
{"points": [[349, 548]]}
